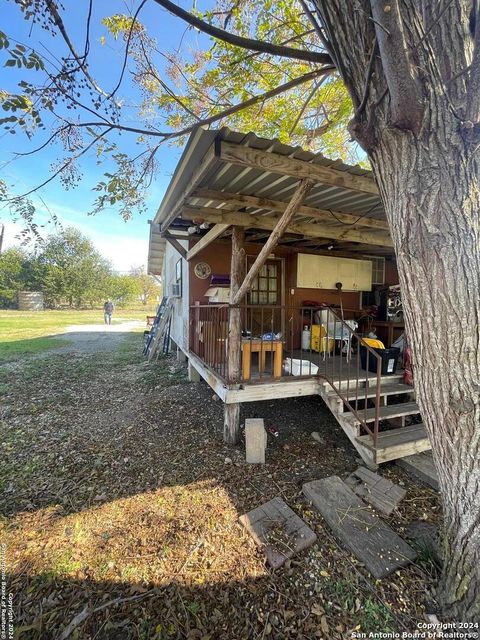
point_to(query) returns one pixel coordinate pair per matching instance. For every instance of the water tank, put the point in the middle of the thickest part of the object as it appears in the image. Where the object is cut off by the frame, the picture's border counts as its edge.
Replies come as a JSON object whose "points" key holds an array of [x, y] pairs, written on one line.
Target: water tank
{"points": [[30, 301]]}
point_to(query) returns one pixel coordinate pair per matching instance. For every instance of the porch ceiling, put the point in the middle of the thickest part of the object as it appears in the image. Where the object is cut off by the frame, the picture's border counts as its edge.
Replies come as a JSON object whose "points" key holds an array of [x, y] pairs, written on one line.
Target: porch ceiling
{"points": [[226, 177]]}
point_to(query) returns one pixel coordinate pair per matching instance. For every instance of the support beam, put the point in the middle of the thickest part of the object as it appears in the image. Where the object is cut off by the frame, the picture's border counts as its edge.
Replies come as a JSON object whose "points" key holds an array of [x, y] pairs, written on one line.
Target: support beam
{"points": [[181, 357], [209, 237], [231, 425], [193, 374], [309, 230], [282, 224], [176, 245], [286, 166], [242, 200]]}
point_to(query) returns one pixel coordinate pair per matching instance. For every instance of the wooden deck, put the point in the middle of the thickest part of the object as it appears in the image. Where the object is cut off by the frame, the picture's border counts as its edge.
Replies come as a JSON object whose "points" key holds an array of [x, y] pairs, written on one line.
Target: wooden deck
{"points": [[339, 366], [350, 400]]}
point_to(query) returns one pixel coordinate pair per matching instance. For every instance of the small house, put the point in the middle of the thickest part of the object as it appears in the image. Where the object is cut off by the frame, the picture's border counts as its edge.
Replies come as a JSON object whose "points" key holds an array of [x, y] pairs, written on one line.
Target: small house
{"points": [[278, 262]]}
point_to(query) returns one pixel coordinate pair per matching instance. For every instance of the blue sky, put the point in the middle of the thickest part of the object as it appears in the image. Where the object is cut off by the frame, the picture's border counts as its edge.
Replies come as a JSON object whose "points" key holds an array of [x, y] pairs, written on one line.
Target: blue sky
{"points": [[124, 243]]}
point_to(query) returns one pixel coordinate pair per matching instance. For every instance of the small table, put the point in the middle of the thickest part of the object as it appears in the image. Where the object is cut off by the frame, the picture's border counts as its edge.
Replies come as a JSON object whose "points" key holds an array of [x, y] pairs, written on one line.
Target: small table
{"points": [[261, 347]]}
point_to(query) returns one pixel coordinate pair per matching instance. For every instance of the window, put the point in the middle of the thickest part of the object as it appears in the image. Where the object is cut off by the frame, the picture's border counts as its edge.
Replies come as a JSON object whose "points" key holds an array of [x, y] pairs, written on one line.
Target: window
{"points": [[178, 276], [378, 269], [265, 287]]}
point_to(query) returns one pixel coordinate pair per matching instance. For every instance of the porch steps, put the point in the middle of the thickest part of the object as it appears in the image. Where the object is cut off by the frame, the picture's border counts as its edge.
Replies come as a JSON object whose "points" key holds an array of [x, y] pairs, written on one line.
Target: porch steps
{"points": [[386, 413], [394, 441], [386, 390], [386, 381], [397, 443]]}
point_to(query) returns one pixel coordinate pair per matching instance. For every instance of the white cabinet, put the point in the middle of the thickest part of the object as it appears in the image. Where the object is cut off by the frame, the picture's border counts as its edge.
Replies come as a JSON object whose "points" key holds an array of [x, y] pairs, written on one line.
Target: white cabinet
{"points": [[323, 272]]}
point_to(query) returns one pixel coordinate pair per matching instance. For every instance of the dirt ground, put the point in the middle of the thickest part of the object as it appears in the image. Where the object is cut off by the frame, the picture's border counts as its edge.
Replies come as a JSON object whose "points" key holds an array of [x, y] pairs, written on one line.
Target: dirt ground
{"points": [[120, 508], [94, 338]]}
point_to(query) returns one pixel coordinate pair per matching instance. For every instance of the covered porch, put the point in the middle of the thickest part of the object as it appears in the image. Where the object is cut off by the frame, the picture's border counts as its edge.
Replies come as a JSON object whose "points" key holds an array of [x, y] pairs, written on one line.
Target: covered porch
{"points": [[316, 224]]}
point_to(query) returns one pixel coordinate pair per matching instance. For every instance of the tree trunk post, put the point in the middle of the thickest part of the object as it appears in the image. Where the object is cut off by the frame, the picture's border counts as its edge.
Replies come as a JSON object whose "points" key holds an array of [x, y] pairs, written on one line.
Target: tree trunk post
{"points": [[231, 424]]}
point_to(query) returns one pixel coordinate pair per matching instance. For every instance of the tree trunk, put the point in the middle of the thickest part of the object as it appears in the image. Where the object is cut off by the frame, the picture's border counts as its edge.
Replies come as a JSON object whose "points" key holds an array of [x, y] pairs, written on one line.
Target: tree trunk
{"points": [[432, 200], [405, 69], [231, 423]]}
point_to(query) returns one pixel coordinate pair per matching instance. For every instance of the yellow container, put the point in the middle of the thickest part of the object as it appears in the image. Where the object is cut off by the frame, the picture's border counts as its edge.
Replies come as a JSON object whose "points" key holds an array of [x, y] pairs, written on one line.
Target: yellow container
{"points": [[374, 343], [319, 341]]}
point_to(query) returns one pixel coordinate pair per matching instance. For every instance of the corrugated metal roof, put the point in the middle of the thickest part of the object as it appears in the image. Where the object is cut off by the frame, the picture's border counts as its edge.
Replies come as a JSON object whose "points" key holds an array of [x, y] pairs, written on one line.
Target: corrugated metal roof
{"points": [[233, 178], [156, 250]]}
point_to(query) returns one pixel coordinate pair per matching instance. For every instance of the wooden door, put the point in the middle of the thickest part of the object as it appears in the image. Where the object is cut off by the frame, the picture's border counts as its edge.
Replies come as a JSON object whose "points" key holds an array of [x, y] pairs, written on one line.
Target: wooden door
{"points": [[265, 299]]}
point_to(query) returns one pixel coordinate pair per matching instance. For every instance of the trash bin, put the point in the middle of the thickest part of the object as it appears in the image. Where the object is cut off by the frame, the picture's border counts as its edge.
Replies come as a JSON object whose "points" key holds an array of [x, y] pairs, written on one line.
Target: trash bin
{"points": [[389, 360]]}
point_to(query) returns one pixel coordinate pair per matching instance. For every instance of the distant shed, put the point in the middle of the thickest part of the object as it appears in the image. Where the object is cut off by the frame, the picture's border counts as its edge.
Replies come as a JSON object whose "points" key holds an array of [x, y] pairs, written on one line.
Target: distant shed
{"points": [[30, 301]]}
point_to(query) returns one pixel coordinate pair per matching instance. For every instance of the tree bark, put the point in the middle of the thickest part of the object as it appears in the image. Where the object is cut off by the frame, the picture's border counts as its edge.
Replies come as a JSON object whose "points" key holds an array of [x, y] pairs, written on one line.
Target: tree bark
{"points": [[432, 200], [231, 423], [428, 177]]}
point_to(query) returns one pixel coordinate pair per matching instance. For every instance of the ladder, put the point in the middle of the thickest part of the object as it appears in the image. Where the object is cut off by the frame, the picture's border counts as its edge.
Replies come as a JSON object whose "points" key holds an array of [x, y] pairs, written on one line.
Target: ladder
{"points": [[160, 329]]}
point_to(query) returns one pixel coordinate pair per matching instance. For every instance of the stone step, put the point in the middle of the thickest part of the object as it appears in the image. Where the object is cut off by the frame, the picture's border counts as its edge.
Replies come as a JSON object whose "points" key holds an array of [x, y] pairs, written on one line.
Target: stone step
{"points": [[421, 466], [278, 530], [397, 443], [386, 413]]}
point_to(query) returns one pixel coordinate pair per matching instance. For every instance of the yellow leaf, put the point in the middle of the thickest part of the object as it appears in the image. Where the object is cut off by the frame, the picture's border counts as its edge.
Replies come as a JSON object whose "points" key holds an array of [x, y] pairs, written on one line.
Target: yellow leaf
{"points": [[324, 624]]}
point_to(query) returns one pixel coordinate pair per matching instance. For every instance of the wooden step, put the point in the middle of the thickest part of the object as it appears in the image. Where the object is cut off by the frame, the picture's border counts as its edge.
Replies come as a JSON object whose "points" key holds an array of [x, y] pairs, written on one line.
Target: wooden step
{"points": [[386, 413], [362, 378], [358, 528], [397, 443], [385, 390]]}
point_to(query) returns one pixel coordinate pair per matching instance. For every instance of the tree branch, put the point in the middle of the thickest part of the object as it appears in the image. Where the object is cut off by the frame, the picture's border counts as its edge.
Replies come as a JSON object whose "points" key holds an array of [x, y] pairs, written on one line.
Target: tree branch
{"points": [[65, 165], [81, 63], [127, 48], [317, 28], [473, 101], [168, 135], [407, 109], [163, 84], [245, 43], [253, 54], [361, 107], [316, 86]]}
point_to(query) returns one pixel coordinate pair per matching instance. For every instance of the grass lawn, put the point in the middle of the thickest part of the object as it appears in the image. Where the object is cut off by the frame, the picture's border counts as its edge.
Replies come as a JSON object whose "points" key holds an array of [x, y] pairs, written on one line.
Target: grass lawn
{"points": [[23, 332]]}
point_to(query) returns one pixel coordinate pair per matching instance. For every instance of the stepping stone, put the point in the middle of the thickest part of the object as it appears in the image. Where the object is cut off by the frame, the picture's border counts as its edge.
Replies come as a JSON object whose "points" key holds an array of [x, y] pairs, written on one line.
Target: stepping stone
{"points": [[279, 530], [255, 440], [374, 543], [380, 492], [421, 467]]}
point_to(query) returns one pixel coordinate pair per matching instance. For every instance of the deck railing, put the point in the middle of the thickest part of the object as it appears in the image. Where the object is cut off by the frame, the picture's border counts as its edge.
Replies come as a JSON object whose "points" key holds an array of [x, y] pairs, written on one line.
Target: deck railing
{"points": [[272, 350]]}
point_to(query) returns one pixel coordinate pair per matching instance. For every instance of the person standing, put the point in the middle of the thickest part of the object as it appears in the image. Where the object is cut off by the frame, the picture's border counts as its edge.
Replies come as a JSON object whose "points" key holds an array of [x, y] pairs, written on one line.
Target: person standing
{"points": [[107, 311]]}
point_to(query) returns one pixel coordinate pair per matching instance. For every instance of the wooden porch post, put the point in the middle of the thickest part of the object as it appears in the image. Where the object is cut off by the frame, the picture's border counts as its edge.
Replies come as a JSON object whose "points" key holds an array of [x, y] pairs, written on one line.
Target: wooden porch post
{"points": [[301, 191], [231, 424]]}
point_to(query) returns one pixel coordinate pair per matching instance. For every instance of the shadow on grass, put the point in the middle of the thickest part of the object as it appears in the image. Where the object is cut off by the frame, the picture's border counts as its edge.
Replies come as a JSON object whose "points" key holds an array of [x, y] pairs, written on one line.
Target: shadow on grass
{"points": [[254, 607], [31, 346]]}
